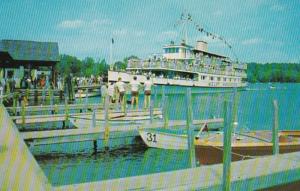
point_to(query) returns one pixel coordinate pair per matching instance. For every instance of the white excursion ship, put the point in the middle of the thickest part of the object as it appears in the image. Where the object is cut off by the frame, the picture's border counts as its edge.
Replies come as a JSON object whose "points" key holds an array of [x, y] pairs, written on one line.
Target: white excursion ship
{"points": [[185, 65]]}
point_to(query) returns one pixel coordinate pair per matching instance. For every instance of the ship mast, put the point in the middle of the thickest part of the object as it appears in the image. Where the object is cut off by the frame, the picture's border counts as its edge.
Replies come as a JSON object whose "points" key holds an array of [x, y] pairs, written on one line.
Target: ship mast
{"points": [[187, 18]]}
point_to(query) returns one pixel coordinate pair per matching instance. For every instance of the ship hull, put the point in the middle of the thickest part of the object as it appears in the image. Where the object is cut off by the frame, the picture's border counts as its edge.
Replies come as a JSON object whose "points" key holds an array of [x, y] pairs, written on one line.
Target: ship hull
{"points": [[127, 77]]}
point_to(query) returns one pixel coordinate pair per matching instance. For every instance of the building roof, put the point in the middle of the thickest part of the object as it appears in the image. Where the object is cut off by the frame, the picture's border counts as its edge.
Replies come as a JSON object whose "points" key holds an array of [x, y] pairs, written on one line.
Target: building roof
{"points": [[20, 50]]}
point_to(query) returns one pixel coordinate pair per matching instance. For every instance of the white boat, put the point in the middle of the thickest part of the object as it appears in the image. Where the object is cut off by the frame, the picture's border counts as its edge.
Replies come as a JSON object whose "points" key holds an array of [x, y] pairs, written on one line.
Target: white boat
{"points": [[175, 139], [185, 65], [164, 139], [117, 118]]}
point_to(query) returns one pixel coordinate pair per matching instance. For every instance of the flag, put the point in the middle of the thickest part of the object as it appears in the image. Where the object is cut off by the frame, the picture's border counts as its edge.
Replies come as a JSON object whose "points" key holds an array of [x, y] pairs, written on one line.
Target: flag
{"points": [[112, 41]]}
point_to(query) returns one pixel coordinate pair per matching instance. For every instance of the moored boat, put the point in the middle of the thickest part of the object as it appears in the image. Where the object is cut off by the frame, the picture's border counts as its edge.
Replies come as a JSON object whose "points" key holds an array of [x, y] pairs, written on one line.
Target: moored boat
{"points": [[164, 138], [248, 145], [115, 118]]}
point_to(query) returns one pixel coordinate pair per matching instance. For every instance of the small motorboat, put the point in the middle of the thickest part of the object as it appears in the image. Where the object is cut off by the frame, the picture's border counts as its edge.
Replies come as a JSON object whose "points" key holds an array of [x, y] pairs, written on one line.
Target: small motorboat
{"points": [[247, 145]]}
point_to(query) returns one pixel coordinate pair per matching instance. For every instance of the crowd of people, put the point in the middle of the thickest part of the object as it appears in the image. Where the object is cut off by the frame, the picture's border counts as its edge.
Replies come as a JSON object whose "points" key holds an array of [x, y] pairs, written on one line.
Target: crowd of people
{"points": [[116, 91]]}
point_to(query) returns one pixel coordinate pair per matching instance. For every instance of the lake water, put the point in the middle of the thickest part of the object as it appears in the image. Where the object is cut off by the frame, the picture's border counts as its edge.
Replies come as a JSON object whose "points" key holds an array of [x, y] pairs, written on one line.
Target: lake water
{"points": [[76, 162]]}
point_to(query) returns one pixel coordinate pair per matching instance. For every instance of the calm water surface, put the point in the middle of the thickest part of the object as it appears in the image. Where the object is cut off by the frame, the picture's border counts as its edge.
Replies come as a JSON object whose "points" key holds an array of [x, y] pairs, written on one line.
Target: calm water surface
{"points": [[76, 162]]}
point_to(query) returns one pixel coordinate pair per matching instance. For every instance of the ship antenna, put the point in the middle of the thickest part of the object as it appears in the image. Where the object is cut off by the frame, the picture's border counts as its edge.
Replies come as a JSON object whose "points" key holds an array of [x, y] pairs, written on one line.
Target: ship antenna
{"points": [[186, 18]]}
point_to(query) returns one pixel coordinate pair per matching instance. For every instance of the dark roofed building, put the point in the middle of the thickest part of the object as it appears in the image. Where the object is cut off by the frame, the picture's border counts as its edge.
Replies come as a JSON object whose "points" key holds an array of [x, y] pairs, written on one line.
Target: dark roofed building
{"points": [[28, 55]]}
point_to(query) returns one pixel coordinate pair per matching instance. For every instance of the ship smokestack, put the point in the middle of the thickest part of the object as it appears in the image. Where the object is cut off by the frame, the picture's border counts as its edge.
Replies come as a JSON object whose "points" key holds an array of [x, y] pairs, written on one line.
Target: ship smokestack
{"points": [[201, 45]]}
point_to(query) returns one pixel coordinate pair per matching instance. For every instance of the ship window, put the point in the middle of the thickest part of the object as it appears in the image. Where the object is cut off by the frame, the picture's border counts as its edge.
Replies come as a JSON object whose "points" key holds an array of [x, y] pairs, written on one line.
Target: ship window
{"points": [[212, 78], [177, 50], [219, 79], [224, 79], [203, 77]]}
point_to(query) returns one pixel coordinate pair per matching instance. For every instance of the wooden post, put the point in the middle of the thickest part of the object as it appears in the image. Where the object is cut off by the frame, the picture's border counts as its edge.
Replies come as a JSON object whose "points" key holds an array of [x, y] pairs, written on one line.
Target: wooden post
{"points": [[151, 111], [1, 95], [228, 124], [60, 94], [80, 96], [65, 122], [44, 95], [155, 95], [50, 91], [163, 97], [36, 95], [93, 124], [27, 91], [55, 109], [106, 126], [275, 129], [125, 104], [15, 99], [23, 112], [190, 129], [165, 113], [86, 100]]}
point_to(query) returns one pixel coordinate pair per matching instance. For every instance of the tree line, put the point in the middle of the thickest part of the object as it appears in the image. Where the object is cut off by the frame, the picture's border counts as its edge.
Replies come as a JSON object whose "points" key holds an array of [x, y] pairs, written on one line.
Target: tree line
{"points": [[273, 72], [87, 66], [256, 72]]}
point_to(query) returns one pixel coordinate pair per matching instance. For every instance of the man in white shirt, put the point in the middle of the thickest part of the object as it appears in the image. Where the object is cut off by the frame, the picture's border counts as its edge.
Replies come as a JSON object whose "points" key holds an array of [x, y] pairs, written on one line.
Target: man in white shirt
{"points": [[147, 92], [111, 92], [120, 86], [134, 92]]}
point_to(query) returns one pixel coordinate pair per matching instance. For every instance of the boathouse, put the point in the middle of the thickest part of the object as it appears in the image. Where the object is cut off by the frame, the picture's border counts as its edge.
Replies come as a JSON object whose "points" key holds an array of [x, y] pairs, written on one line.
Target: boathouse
{"points": [[20, 58]]}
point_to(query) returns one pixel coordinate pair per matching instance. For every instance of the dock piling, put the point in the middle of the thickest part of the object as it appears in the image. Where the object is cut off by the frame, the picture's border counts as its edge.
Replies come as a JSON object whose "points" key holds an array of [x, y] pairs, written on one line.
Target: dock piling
{"points": [[36, 96], [93, 124], [275, 129], [1, 94], [61, 95], [228, 124], [151, 111], [86, 100], [190, 129], [124, 104], [165, 112], [106, 126], [65, 122], [23, 112]]}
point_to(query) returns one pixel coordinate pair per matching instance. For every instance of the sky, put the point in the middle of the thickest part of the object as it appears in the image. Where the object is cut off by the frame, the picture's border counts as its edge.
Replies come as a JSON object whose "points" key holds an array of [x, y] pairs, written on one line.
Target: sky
{"points": [[258, 30]]}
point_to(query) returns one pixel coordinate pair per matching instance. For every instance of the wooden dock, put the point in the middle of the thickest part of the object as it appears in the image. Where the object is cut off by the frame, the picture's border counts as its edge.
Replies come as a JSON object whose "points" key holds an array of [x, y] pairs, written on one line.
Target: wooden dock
{"points": [[18, 168], [272, 172], [91, 134], [22, 172], [30, 119]]}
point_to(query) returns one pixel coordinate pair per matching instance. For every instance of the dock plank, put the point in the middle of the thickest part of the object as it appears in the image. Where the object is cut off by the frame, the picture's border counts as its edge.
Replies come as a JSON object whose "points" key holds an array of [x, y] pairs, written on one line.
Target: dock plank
{"points": [[89, 134], [18, 168], [254, 174], [88, 115]]}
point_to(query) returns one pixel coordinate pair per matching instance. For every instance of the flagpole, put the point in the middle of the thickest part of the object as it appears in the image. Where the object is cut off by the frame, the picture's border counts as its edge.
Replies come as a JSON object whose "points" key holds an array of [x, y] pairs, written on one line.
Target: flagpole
{"points": [[111, 54]]}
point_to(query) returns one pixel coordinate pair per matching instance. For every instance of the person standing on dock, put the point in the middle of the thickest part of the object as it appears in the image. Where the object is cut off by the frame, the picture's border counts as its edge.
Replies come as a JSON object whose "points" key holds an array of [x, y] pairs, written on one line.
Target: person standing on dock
{"points": [[103, 92], [120, 87], [147, 92], [111, 92], [134, 92]]}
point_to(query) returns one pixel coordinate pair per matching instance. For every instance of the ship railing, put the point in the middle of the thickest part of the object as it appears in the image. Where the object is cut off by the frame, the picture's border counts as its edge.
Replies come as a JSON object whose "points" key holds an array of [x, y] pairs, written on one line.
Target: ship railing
{"points": [[184, 67]]}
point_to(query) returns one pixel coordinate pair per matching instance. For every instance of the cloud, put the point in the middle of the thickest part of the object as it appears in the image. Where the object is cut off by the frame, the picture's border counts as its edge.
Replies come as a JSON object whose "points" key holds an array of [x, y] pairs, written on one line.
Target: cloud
{"points": [[78, 23], [120, 32], [252, 41], [277, 8], [71, 24]]}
